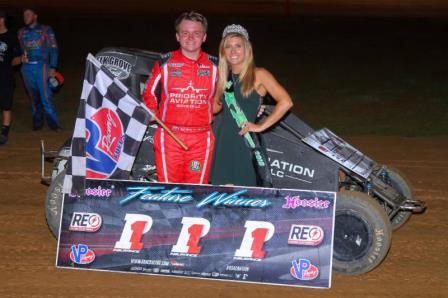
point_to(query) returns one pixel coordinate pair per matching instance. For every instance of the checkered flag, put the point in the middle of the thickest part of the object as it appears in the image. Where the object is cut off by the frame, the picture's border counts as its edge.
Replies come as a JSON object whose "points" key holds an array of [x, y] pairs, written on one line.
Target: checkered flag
{"points": [[108, 130]]}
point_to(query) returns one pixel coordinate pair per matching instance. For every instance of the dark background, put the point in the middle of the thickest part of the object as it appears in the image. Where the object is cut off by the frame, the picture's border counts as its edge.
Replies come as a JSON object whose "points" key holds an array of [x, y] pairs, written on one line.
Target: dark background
{"points": [[356, 67]]}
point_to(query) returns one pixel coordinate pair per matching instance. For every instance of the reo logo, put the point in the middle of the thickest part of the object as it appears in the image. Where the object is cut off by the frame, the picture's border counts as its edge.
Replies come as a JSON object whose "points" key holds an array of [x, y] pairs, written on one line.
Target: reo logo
{"points": [[304, 270], [104, 143], [85, 222], [81, 254], [305, 235]]}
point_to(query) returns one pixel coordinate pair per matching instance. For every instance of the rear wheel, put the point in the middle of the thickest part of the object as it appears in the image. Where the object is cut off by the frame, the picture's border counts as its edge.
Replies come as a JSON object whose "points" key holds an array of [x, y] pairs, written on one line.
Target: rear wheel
{"points": [[362, 234], [53, 203]]}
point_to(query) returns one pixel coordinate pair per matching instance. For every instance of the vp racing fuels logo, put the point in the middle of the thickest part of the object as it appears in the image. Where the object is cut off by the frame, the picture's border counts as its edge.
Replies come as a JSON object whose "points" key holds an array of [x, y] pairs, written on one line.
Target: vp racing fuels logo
{"points": [[81, 254], [85, 222], [120, 68], [304, 270], [104, 143]]}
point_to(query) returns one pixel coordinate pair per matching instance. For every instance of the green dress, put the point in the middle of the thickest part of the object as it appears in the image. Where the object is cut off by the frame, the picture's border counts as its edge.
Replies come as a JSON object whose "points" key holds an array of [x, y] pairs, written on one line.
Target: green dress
{"points": [[232, 159]]}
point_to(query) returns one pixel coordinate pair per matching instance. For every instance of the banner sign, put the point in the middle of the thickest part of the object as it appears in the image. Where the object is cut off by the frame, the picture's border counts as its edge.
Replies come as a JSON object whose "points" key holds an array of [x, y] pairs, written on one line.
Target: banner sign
{"points": [[260, 235]]}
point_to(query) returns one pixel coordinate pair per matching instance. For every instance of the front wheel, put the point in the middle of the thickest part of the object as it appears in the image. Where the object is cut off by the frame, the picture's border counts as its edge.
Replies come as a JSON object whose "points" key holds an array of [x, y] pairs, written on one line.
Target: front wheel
{"points": [[53, 203], [403, 186], [362, 234]]}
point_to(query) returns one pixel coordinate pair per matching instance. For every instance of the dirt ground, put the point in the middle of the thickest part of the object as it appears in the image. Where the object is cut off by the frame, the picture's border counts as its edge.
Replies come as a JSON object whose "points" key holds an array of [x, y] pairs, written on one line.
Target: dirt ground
{"points": [[416, 265]]}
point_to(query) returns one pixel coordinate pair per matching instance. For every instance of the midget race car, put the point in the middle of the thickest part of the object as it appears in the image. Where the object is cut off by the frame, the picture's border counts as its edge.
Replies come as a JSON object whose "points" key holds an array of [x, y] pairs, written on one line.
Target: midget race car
{"points": [[372, 199]]}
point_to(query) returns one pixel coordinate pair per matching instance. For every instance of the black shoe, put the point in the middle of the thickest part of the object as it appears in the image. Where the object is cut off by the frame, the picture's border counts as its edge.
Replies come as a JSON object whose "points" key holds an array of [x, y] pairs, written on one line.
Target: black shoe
{"points": [[56, 129], [37, 127], [3, 139]]}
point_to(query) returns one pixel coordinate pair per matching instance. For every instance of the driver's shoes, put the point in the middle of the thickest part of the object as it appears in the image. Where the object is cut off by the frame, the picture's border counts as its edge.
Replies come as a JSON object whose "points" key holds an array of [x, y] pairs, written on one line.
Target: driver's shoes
{"points": [[56, 129], [3, 139]]}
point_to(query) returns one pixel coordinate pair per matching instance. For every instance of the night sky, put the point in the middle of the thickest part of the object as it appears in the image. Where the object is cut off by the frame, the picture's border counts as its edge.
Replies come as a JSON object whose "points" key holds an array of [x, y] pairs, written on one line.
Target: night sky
{"points": [[277, 7]]}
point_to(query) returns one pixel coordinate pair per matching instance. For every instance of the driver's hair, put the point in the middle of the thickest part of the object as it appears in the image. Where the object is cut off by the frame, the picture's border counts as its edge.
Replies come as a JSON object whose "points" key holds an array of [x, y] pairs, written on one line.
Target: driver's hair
{"points": [[247, 75], [191, 16]]}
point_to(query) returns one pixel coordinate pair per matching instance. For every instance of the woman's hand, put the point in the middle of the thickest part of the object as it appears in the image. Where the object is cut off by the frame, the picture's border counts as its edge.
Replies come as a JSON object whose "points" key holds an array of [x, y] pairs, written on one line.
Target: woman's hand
{"points": [[250, 127], [217, 103]]}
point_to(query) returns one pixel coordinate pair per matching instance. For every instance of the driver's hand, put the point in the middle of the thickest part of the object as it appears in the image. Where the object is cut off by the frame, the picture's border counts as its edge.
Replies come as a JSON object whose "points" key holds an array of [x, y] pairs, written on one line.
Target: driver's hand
{"points": [[51, 72], [24, 58], [153, 116]]}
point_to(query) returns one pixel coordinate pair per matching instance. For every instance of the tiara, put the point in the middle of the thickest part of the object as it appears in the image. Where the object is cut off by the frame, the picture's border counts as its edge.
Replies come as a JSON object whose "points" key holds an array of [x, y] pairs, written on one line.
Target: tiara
{"points": [[235, 29]]}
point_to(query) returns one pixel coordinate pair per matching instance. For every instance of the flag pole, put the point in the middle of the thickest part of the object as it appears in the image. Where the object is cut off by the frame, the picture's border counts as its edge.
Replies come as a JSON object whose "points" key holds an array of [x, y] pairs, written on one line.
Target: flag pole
{"points": [[169, 131]]}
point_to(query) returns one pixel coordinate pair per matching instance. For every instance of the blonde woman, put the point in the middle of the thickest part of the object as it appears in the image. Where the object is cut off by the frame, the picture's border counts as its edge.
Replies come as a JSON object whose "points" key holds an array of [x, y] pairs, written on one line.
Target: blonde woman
{"points": [[233, 161]]}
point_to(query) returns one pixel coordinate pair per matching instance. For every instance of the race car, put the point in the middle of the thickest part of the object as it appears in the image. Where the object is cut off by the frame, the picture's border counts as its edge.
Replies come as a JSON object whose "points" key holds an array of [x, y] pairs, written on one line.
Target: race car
{"points": [[372, 199]]}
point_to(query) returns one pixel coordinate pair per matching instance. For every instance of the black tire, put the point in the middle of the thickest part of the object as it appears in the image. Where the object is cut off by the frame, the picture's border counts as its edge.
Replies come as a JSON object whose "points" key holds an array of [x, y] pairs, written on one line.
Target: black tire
{"points": [[402, 185], [362, 234], [53, 204]]}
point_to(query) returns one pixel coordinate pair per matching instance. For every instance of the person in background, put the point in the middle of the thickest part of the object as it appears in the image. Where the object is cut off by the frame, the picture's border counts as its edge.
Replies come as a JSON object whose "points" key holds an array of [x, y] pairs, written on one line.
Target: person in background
{"points": [[232, 161], [187, 78], [9, 56], [39, 63]]}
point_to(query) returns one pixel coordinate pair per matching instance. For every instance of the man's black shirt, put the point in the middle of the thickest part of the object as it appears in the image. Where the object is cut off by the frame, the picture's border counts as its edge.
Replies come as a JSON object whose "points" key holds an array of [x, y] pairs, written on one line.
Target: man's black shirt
{"points": [[9, 49]]}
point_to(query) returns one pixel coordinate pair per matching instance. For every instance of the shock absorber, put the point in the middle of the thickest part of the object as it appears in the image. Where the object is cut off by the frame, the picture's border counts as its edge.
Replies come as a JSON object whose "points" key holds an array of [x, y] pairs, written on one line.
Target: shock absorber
{"points": [[369, 188], [384, 175]]}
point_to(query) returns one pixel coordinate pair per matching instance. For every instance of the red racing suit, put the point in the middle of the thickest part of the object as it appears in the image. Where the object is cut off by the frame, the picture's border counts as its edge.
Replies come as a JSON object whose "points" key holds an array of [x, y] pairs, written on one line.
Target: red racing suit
{"points": [[186, 107]]}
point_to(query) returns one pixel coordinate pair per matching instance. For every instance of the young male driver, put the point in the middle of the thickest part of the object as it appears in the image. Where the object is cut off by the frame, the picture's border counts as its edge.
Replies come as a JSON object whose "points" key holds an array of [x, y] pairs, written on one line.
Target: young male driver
{"points": [[187, 78]]}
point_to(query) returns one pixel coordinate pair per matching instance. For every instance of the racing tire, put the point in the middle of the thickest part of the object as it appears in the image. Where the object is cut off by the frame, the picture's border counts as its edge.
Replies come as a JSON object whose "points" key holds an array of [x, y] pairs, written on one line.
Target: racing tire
{"points": [[53, 204], [362, 234], [403, 186]]}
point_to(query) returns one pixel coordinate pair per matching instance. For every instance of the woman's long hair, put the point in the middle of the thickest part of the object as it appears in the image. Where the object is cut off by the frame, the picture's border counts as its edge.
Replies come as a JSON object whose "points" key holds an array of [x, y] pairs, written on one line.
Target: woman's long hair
{"points": [[247, 74]]}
